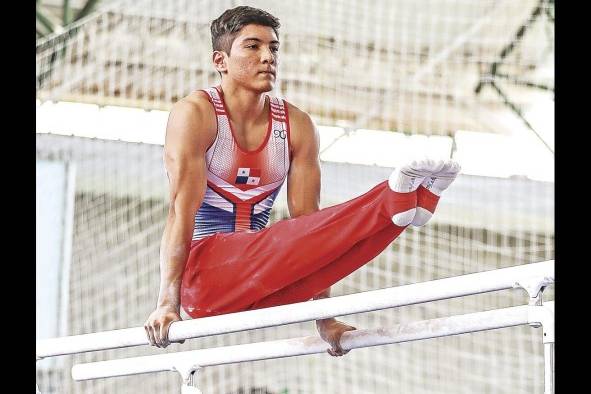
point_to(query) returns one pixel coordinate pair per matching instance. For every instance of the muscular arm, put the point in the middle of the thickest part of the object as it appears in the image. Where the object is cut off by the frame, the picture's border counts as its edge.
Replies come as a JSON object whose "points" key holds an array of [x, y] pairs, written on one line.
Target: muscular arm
{"points": [[303, 197], [303, 182], [184, 159]]}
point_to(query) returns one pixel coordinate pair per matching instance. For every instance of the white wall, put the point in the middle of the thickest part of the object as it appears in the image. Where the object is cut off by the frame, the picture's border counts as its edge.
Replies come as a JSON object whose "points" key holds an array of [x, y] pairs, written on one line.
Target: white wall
{"points": [[54, 199]]}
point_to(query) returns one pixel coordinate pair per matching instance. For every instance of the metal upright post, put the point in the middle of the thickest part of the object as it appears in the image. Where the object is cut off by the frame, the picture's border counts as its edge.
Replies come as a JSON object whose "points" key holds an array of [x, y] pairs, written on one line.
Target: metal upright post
{"points": [[541, 314], [188, 373], [549, 368], [548, 327]]}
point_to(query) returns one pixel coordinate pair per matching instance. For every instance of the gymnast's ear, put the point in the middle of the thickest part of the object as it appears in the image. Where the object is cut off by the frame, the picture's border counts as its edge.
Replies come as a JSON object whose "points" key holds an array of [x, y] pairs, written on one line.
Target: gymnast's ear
{"points": [[219, 61]]}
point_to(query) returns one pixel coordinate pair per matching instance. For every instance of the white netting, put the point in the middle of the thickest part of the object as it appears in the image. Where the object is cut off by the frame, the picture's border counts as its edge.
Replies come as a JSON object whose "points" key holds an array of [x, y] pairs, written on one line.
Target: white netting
{"points": [[407, 66]]}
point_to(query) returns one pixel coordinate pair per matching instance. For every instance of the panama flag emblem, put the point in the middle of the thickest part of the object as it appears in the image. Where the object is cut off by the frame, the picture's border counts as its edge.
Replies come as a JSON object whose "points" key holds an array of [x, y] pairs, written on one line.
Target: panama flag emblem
{"points": [[248, 176]]}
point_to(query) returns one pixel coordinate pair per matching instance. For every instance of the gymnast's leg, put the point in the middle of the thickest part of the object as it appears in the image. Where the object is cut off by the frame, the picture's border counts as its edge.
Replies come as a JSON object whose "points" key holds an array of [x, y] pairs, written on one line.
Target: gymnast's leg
{"points": [[230, 272]]}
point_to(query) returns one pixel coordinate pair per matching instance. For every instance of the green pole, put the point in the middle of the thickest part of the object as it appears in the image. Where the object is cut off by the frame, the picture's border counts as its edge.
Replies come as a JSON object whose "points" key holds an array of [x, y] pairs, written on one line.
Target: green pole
{"points": [[517, 112], [87, 9], [67, 13], [45, 22]]}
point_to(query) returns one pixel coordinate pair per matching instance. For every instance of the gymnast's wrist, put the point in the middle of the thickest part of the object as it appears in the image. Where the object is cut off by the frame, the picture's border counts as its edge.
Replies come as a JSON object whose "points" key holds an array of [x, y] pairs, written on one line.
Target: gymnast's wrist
{"points": [[168, 305]]}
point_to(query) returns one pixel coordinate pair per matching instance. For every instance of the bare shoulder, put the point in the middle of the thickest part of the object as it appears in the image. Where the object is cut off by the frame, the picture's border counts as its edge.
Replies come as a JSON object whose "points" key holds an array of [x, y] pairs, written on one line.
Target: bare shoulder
{"points": [[198, 99], [298, 118], [191, 123], [302, 127]]}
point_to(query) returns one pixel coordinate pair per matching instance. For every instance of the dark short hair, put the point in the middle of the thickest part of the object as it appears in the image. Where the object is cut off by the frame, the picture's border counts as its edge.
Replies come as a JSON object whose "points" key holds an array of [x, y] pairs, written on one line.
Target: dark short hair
{"points": [[225, 28]]}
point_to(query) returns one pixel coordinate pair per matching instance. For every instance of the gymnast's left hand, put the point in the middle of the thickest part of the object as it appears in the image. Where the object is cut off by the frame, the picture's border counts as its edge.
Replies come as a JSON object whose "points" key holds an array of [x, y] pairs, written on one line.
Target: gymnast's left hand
{"points": [[330, 331]]}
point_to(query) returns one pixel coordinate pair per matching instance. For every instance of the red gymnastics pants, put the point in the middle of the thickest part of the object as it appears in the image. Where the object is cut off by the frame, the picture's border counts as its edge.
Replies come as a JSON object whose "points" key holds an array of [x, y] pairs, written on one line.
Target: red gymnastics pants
{"points": [[294, 259]]}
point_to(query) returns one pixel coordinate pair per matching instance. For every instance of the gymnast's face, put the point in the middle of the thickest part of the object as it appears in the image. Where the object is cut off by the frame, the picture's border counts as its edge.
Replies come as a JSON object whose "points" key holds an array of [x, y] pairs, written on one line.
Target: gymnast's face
{"points": [[253, 58]]}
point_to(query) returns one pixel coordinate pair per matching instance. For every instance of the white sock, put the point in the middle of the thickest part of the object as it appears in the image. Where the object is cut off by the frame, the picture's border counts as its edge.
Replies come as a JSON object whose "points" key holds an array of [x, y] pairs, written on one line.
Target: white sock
{"points": [[436, 184], [405, 218], [421, 217], [408, 177], [439, 181]]}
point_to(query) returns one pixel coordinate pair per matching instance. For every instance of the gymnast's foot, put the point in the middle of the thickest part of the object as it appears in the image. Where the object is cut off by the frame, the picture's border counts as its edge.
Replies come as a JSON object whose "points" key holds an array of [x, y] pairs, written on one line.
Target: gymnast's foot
{"points": [[407, 178], [430, 190]]}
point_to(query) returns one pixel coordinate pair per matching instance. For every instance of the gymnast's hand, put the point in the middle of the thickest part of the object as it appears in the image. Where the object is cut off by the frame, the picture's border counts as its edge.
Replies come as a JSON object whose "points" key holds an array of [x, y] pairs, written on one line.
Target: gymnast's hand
{"points": [[331, 330], [158, 324]]}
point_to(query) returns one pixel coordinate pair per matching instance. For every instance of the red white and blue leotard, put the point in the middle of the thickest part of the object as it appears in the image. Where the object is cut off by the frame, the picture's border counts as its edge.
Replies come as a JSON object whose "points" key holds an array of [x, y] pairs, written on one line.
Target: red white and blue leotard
{"points": [[242, 185]]}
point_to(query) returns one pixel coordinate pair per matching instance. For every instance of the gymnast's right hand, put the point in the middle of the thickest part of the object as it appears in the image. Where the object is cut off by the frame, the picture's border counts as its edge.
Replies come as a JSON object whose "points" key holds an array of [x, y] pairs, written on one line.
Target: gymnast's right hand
{"points": [[158, 324]]}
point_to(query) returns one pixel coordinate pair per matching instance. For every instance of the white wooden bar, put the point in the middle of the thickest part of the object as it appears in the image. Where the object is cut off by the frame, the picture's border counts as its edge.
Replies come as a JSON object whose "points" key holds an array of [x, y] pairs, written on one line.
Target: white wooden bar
{"points": [[192, 360], [487, 281]]}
